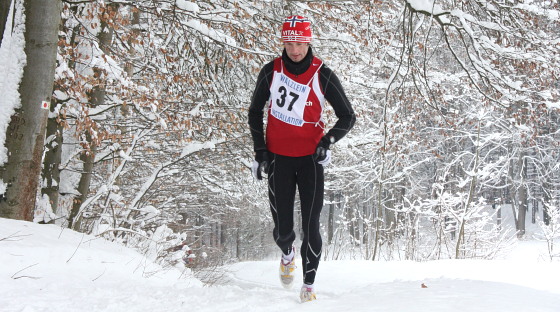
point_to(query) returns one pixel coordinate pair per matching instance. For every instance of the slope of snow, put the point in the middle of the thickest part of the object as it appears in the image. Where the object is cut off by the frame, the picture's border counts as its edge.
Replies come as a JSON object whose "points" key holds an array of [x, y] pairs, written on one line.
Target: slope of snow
{"points": [[46, 268]]}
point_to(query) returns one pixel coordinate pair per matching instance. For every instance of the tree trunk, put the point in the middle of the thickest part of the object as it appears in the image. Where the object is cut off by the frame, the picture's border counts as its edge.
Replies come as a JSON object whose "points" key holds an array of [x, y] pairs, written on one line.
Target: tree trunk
{"points": [[499, 217], [523, 205], [53, 148], [26, 131], [365, 228], [4, 11], [87, 157], [237, 242], [378, 223], [547, 190], [351, 228], [223, 235], [330, 223], [511, 194], [51, 162], [390, 215], [534, 209], [459, 247]]}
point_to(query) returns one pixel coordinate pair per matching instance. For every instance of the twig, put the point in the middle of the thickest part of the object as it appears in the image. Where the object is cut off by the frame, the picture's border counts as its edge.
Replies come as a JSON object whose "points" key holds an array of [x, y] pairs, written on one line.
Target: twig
{"points": [[13, 237], [76, 249], [93, 280], [13, 276]]}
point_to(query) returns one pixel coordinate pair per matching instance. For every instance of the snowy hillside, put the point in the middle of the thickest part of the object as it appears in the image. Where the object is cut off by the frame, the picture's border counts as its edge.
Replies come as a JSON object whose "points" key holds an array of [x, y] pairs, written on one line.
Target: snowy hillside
{"points": [[46, 268]]}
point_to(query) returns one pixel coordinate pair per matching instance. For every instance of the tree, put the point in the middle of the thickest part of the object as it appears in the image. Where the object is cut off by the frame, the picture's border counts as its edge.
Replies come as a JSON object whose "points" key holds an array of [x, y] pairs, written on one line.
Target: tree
{"points": [[454, 103], [4, 14], [27, 128], [96, 98]]}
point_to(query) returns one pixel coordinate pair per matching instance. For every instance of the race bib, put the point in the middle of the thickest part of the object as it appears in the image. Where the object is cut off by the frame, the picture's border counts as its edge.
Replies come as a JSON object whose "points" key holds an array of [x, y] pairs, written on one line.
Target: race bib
{"points": [[288, 99]]}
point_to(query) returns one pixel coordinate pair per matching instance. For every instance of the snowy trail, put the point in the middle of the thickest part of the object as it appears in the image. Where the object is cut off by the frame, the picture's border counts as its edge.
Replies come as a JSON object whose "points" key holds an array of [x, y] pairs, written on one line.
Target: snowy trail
{"points": [[365, 286], [44, 268]]}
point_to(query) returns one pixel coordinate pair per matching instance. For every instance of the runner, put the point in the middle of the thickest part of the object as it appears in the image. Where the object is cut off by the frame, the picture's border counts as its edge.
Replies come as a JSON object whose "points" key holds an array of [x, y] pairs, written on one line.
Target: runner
{"points": [[295, 148]]}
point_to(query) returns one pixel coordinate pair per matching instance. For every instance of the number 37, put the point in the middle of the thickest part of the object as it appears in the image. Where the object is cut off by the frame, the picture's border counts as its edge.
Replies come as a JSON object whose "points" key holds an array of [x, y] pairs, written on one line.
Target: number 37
{"points": [[282, 100]]}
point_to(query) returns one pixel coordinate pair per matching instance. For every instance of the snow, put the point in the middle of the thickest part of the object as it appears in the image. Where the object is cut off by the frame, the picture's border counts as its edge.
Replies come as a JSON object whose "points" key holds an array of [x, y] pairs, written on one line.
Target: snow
{"points": [[194, 147], [553, 15], [188, 6], [48, 268], [12, 61], [426, 6], [211, 33]]}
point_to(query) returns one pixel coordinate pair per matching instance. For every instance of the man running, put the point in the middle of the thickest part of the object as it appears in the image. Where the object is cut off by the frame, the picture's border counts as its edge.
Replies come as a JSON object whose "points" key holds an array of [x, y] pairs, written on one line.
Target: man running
{"points": [[295, 147]]}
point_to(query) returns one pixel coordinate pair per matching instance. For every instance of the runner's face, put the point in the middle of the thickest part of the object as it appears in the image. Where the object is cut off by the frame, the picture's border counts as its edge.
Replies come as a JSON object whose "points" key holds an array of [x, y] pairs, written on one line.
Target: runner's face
{"points": [[296, 50]]}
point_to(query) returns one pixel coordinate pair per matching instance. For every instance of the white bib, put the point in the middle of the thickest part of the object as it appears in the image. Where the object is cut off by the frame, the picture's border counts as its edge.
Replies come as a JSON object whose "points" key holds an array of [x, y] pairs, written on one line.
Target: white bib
{"points": [[288, 99]]}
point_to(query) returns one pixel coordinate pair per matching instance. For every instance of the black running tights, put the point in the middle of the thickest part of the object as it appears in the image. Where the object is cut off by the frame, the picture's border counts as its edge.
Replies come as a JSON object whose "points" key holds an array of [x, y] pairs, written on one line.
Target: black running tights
{"points": [[285, 173]]}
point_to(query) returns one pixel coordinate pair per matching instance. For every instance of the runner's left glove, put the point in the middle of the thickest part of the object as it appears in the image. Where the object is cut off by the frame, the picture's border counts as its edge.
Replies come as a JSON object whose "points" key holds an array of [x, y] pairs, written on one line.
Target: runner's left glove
{"points": [[260, 164], [322, 152]]}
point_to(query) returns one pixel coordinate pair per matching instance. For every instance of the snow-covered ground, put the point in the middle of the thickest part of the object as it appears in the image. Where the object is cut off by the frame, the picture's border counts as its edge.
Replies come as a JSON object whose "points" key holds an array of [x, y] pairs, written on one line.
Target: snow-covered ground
{"points": [[46, 268]]}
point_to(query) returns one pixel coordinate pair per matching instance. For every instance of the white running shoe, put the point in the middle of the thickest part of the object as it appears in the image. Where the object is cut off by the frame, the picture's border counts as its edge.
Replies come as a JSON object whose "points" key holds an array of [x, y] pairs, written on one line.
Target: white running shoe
{"points": [[307, 293], [287, 268]]}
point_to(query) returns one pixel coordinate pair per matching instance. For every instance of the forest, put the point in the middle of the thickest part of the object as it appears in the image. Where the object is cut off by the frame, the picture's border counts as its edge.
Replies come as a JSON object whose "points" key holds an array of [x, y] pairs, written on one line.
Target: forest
{"points": [[142, 137]]}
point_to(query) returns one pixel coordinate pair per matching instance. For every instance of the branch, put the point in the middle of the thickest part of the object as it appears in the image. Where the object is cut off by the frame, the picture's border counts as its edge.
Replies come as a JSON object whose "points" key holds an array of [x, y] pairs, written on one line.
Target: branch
{"points": [[78, 2], [12, 237], [76, 249], [431, 12], [115, 174], [22, 276]]}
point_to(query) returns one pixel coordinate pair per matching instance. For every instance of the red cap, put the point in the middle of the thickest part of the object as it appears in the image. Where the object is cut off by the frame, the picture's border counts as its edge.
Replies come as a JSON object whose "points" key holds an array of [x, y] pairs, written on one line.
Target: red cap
{"points": [[296, 29]]}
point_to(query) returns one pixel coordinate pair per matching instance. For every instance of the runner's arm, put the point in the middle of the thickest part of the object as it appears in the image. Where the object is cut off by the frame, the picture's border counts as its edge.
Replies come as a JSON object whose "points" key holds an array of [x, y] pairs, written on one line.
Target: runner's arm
{"points": [[334, 94], [260, 96]]}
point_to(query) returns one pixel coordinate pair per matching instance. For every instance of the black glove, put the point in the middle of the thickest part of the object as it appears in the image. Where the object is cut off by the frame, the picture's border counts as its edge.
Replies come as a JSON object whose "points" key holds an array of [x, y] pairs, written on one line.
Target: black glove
{"points": [[322, 148], [260, 164]]}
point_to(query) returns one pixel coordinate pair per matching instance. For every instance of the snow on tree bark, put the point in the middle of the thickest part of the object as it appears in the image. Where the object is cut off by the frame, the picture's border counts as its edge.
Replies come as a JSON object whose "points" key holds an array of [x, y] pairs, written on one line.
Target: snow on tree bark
{"points": [[27, 127]]}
